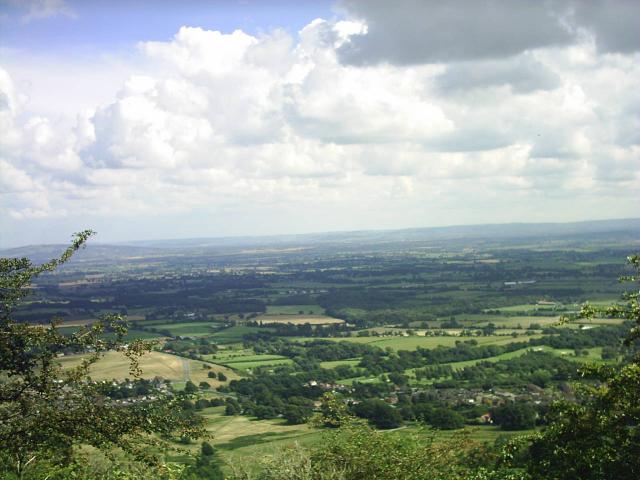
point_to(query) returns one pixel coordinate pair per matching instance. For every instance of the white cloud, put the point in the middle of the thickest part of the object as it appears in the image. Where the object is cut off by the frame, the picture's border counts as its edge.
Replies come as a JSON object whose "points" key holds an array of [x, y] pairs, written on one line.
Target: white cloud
{"points": [[253, 132]]}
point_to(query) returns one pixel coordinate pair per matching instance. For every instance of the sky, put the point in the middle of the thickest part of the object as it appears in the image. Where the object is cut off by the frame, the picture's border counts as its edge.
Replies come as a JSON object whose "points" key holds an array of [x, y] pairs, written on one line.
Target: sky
{"points": [[181, 119]]}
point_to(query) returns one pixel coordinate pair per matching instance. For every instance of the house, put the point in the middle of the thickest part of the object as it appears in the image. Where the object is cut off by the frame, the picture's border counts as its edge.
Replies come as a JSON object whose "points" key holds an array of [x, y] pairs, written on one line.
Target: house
{"points": [[486, 418]]}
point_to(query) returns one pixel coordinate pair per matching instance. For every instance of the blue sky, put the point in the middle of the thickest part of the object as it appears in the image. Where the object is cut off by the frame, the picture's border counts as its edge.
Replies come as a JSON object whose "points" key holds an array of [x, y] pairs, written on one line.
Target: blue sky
{"points": [[105, 25], [159, 119]]}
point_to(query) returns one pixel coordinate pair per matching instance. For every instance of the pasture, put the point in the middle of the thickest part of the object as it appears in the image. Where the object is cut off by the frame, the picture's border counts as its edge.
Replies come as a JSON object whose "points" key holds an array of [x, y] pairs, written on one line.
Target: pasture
{"points": [[351, 362], [520, 322], [241, 441], [234, 334], [527, 308], [253, 361], [415, 341]]}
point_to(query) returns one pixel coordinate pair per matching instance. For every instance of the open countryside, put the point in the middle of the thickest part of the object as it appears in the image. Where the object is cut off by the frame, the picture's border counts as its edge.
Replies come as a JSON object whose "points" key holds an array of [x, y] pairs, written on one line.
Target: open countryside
{"points": [[440, 332]]}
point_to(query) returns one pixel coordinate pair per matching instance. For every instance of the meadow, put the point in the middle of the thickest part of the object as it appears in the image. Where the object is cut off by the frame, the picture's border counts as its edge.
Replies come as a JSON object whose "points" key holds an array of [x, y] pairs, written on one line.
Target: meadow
{"points": [[241, 440]]}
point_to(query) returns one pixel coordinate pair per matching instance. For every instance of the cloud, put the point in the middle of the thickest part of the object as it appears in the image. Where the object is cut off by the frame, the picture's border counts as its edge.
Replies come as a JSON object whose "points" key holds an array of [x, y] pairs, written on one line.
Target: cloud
{"points": [[523, 74], [41, 9], [244, 133], [613, 23], [409, 32], [418, 31]]}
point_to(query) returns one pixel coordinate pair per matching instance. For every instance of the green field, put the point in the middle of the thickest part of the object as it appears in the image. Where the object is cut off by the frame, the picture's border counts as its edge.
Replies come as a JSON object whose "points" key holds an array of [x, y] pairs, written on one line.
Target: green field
{"points": [[252, 361], [594, 356], [528, 308], [234, 334], [519, 321], [242, 441], [415, 341], [601, 321], [351, 362]]}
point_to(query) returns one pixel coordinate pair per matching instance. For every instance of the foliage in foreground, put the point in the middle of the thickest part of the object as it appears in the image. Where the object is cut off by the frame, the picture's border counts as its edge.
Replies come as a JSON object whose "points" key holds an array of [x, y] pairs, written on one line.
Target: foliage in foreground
{"points": [[599, 437], [48, 415], [352, 450]]}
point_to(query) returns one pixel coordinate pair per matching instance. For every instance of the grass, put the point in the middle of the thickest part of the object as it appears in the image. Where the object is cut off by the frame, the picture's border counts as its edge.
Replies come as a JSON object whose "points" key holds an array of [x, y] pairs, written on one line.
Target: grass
{"points": [[601, 321], [234, 334], [519, 321], [497, 358], [594, 355], [352, 362], [241, 440], [413, 342], [527, 308], [488, 433]]}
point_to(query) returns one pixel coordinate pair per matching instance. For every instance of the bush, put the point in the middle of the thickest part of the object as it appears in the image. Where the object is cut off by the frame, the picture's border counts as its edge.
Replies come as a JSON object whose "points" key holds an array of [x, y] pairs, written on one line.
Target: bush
{"points": [[190, 387], [207, 449]]}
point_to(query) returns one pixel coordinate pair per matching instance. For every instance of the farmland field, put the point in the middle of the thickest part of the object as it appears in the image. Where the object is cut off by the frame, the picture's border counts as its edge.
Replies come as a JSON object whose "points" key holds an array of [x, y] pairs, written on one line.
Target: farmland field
{"points": [[295, 310], [416, 341], [253, 361], [115, 365], [298, 319]]}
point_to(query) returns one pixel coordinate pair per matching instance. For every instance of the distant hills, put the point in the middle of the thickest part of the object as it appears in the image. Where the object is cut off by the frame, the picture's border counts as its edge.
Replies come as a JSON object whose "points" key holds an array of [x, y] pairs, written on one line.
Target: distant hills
{"points": [[519, 232]]}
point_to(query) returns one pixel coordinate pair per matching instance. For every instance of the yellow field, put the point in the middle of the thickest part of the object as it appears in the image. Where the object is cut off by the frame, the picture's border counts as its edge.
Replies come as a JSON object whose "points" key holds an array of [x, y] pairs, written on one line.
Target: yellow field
{"points": [[114, 365], [297, 319]]}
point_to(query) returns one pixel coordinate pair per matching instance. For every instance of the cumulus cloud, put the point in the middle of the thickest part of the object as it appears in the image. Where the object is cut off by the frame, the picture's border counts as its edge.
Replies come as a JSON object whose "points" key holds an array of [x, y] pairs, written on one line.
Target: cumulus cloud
{"points": [[265, 129]]}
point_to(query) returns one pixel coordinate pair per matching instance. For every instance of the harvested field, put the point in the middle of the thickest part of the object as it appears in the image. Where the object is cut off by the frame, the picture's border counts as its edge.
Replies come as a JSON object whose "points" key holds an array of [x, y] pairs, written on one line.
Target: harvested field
{"points": [[297, 319]]}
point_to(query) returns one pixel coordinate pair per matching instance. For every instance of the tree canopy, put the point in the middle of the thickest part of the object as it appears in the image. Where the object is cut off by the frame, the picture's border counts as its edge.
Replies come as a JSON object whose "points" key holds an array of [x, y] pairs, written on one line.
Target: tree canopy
{"points": [[47, 412]]}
